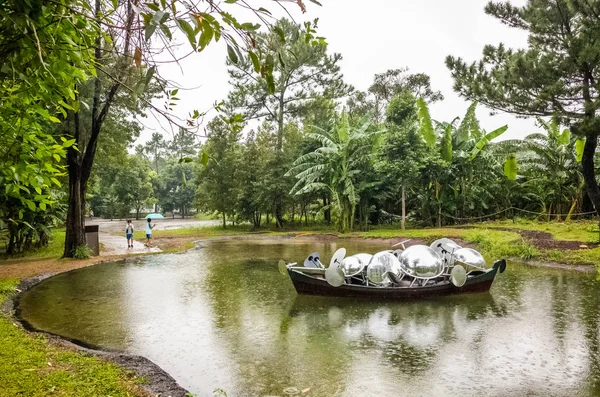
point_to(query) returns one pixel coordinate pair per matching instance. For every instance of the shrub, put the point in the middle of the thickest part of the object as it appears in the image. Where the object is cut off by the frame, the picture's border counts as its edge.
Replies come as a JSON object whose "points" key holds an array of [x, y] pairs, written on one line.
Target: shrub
{"points": [[81, 252]]}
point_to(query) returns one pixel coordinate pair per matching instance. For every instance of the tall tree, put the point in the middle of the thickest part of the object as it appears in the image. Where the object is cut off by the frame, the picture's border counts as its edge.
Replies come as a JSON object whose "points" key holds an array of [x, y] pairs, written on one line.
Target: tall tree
{"points": [[218, 182], [556, 75], [133, 186], [388, 85], [43, 55], [117, 38], [301, 73]]}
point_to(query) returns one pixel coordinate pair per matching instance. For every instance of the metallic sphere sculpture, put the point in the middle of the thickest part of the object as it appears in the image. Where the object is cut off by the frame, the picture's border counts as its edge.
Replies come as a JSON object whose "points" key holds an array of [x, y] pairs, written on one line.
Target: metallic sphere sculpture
{"points": [[470, 257], [420, 261]]}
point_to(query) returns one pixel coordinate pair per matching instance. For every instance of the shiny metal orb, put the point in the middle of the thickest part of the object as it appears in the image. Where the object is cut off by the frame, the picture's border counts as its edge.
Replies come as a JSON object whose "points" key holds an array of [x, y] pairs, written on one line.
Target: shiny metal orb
{"points": [[364, 258], [381, 264], [351, 266], [445, 247], [470, 257], [420, 261]]}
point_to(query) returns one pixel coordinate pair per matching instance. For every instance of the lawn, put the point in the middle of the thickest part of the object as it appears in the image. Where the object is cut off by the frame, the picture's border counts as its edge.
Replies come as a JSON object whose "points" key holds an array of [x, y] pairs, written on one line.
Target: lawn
{"points": [[33, 366]]}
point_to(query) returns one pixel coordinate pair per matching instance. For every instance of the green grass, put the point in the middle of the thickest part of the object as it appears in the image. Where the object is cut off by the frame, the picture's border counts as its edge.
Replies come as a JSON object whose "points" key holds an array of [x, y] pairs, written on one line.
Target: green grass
{"points": [[31, 366], [55, 248], [584, 231]]}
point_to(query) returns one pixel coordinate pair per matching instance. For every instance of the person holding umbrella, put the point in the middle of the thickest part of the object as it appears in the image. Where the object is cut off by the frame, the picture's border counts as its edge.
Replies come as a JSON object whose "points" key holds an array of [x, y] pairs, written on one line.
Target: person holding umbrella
{"points": [[150, 226]]}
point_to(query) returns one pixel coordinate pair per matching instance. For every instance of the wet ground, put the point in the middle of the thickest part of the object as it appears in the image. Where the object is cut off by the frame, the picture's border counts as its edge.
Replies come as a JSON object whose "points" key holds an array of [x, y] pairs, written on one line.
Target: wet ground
{"points": [[221, 316]]}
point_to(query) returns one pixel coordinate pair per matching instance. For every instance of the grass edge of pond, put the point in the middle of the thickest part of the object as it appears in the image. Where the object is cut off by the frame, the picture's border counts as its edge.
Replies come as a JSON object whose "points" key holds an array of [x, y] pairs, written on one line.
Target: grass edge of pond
{"points": [[34, 365]]}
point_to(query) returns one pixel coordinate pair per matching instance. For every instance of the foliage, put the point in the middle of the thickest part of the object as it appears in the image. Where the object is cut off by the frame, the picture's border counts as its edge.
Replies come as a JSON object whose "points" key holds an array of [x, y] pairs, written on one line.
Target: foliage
{"points": [[36, 87], [387, 86], [556, 75], [81, 252], [345, 152], [302, 73], [218, 188], [133, 184]]}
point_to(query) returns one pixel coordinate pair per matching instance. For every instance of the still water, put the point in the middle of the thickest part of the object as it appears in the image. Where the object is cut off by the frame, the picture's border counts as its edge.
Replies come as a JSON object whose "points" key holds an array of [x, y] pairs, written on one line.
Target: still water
{"points": [[221, 316]]}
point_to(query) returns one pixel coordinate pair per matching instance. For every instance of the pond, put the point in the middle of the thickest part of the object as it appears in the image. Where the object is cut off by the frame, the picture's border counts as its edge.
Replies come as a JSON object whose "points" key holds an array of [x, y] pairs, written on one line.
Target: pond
{"points": [[213, 318]]}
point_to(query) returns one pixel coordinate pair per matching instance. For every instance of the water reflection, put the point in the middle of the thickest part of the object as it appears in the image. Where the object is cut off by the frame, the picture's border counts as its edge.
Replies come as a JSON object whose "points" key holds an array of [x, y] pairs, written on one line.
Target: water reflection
{"points": [[214, 318]]}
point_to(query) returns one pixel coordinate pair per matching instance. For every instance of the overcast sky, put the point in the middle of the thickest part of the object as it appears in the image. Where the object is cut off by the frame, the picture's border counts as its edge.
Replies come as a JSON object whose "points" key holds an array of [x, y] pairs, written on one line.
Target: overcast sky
{"points": [[373, 36]]}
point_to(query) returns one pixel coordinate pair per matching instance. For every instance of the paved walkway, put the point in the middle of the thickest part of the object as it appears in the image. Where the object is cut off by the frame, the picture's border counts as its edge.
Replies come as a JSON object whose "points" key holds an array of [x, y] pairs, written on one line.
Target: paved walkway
{"points": [[112, 233], [117, 245]]}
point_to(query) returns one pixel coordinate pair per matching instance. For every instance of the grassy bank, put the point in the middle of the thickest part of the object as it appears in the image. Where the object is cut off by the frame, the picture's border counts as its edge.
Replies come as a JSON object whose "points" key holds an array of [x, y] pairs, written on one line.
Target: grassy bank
{"points": [[494, 239], [33, 366]]}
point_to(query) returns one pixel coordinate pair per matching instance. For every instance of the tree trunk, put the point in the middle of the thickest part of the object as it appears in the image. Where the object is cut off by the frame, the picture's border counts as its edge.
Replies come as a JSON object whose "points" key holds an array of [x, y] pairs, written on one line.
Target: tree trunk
{"points": [[587, 165], [327, 212], [75, 224], [80, 159], [403, 208], [137, 213], [224, 221]]}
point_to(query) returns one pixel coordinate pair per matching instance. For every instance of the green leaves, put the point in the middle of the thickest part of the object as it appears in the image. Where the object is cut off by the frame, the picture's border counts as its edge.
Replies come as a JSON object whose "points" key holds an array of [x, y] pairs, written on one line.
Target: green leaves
{"points": [[206, 35], [469, 127], [255, 62], [188, 30], [232, 55], [510, 167], [579, 147], [487, 139], [425, 123], [565, 137], [446, 144]]}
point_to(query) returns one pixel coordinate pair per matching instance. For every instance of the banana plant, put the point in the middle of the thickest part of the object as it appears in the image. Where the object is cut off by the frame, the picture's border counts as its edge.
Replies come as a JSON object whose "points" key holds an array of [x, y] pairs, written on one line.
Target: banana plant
{"points": [[337, 165], [459, 145], [466, 140], [550, 161]]}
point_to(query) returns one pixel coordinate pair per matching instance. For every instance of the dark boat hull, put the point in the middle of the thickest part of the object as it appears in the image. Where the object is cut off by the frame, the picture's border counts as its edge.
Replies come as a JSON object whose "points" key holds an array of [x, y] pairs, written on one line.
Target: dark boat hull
{"points": [[312, 285]]}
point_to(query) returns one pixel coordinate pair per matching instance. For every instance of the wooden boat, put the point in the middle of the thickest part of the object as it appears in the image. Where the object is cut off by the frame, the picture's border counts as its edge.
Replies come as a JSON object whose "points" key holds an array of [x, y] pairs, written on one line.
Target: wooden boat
{"points": [[311, 281]]}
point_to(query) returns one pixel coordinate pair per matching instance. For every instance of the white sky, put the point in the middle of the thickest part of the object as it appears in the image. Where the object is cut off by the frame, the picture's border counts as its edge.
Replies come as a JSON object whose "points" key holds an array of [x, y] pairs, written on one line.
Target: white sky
{"points": [[372, 36]]}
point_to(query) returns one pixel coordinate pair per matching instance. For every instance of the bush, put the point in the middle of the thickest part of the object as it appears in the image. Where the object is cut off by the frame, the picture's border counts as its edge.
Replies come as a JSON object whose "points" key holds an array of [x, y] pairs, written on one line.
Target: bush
{"points": [[527, 250], [81, 252]]}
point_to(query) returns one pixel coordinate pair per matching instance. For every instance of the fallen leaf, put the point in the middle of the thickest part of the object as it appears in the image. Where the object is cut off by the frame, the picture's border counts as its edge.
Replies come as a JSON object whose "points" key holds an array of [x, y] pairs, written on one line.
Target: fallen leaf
{"points": [[305, 390]]}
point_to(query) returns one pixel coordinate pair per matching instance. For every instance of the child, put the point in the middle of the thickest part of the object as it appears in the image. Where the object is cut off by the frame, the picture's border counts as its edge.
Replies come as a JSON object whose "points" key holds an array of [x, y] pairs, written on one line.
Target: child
{"points": [[129, 233], [149, 228]]}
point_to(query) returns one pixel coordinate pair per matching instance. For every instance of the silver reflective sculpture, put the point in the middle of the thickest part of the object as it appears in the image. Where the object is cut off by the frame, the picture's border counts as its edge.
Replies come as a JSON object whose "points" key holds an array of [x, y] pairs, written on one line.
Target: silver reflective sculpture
{"points": [[445, 247], [351, 266], [313, 260], [334, 275], [364, 258], [458, 276], [420, 261], [470, 257], [381, 264]]}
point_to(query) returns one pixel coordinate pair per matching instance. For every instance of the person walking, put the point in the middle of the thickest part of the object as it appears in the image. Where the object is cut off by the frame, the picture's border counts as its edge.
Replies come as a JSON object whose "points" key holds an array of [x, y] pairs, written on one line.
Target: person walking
{"points": [[149, 228], [129, 233]]}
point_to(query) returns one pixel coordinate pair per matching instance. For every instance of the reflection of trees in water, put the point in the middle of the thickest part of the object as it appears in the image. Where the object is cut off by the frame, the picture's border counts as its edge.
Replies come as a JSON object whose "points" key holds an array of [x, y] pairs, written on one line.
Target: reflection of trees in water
{"points": [[409, 335], [589, 301], [280, 339], [79, 303], [249, 298]]}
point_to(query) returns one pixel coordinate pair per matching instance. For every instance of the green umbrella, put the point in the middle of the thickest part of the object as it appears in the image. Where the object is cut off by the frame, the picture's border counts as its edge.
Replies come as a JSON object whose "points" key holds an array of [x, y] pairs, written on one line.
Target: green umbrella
{"points": [[154, 216]]}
